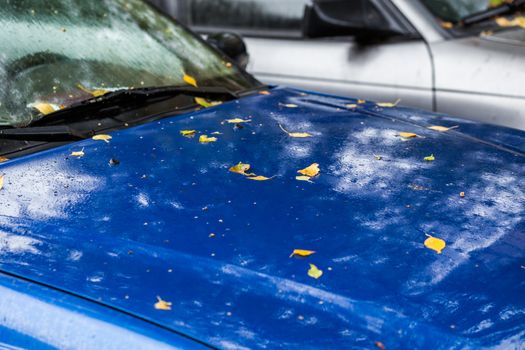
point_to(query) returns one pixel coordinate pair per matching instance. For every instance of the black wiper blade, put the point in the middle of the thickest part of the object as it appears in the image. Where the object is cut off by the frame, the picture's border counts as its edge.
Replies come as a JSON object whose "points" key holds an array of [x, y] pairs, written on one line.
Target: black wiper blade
{"points": [[505, 9], [45, 133], [122, 99]]}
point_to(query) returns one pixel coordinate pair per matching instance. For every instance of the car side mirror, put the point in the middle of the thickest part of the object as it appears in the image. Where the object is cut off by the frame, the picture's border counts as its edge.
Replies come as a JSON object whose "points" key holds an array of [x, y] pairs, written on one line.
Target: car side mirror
{"points": [[363, 19], [232, 45]]}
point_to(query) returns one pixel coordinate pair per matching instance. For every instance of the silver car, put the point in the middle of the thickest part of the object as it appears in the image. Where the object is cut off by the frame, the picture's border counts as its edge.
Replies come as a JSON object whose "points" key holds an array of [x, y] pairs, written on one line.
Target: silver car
{"points": [[462, 57]]}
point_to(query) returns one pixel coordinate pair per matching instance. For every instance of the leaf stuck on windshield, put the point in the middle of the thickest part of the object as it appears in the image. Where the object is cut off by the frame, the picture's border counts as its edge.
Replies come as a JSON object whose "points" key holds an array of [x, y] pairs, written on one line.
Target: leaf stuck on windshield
{"points": [[189, 80], [45, 108]]}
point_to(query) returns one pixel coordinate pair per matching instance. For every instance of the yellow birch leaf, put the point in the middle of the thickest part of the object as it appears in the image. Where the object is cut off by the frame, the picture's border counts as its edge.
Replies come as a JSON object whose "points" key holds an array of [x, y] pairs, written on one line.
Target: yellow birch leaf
{"points": [[216, 133], [296, 134], [94, 93], [189, 80], [205, 103], [78, 153], [434, 243], [407, 135], [188, 133], [237, 121], [389, 104], [430, 158], [3, 159], [304, 178], [351, 105], [442, 128], [311, 171], [314, 272], [360, 101], [44, 107], [259, 178], [162, 304], [302, 252], [206, 139], [447, 25], [1, 181], [290, 105], [241, 168], [102, 137], [264, 92]]}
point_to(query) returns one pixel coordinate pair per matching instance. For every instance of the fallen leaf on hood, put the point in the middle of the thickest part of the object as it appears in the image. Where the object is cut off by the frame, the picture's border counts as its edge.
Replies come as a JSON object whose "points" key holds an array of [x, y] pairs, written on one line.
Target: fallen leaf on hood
{"points": [[295, 134], [442, 128], [290, 105], [102, 137], [216, 133], [389, 104], [304, 178], [259, 178], [206, 139], [162, 304], [190, 80], [380, 345], [1, 181], [78, 153], [44, 107], [360, 101], [302, 252], [407, 135], [237, 121], [310, 171], [188, 133], [434, 243], [351, 105], [462, 194], [314, 272], [241, 168], [430, 158], [264, 92], [3, 159], [206, 103]]}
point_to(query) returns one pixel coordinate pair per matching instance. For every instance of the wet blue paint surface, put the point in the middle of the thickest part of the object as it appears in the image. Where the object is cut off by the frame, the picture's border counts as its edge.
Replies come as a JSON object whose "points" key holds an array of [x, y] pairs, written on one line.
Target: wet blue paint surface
{"points": [[124, 234]]}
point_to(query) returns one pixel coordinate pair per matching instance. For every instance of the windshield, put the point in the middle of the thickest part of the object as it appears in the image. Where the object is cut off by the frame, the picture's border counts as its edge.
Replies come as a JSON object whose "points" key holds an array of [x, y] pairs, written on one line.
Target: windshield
{"points": [[455, 10], [58, 52]]}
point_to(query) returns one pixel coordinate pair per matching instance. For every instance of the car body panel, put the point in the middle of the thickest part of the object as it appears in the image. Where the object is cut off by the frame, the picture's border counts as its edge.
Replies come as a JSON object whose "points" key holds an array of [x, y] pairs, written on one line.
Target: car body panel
{"points": [[169, 220], [33, 316], [377, 72]]}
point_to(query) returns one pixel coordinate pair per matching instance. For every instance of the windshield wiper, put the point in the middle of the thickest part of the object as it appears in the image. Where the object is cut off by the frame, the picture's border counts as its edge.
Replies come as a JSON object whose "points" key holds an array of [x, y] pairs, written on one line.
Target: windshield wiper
{"points": [[504, 9], [121, 100], [45, 133]]}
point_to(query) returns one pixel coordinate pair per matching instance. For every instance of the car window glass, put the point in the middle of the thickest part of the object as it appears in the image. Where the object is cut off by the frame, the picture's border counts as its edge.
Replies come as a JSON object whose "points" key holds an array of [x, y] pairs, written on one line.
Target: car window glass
{"points": [[266, 15], [58, 52]]}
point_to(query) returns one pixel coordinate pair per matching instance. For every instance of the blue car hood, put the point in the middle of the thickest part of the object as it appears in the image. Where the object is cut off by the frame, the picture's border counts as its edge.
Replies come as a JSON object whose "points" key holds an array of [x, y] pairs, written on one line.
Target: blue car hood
{"points": [[166, 218]]}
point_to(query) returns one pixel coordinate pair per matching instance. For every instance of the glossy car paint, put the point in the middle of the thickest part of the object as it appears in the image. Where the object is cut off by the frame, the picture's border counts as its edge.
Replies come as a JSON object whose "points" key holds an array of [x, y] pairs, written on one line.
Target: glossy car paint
{"points": [[170, 220]]}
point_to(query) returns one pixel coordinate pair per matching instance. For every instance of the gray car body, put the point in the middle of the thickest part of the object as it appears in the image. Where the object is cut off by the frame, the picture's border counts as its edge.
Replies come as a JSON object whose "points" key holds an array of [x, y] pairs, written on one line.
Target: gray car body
{"points": [[478, 77]]}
